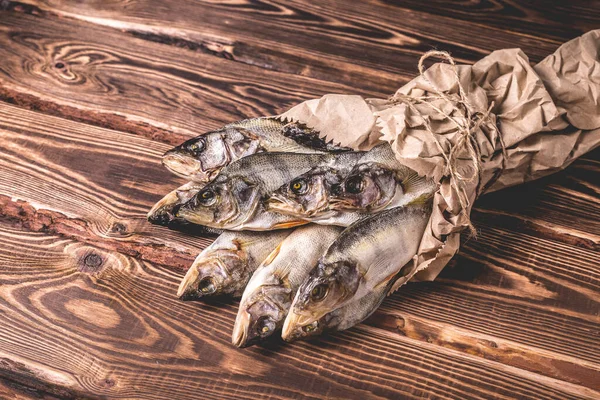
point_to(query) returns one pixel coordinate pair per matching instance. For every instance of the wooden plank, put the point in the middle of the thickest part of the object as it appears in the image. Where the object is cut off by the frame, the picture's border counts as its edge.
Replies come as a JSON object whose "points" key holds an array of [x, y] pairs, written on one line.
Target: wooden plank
{"points": [[104, 77], [114, 329], [48, 185], [370, 45], [563, 206], [88, 182], [556, 20]]}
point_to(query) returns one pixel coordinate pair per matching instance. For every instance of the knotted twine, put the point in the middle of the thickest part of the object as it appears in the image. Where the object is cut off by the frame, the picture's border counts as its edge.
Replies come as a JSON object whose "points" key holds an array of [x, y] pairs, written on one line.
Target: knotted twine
{"points": [[467, 126]]}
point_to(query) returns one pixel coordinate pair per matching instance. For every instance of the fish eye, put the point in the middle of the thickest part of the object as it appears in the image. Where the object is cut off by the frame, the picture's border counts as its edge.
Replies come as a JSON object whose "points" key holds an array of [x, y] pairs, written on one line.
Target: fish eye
{"points": [[207, 197], [319, 292], [197, 147], [298, 186], [207, 286], [354, 184], [265, 326]]}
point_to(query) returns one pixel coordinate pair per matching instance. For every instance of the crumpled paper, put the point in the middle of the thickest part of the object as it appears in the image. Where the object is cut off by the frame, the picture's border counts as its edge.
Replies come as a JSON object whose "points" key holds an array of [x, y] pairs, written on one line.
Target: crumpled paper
{"points": [[541, 118]]}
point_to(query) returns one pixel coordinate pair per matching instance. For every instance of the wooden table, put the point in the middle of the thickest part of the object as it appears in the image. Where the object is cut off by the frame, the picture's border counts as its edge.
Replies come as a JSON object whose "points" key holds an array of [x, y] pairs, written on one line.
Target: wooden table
{"points": [[92, 92]]}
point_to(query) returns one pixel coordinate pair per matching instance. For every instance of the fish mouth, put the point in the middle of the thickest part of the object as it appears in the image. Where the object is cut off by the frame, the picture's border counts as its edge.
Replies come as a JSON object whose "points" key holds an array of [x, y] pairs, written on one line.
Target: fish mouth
{"points": [[187, 288], [163, 212], [240, 336], [187, 213], [341, 204], [184, 166], [195, 285], [283, 205], [300, 326]]}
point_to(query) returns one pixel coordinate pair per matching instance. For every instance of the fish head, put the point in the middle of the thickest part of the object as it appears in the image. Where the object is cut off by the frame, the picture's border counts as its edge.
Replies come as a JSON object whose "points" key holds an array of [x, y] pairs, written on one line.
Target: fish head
{"points": [[222, 204], [306, 195], [366, 187], [315, 306], [219, 272], [165, 210], [200, 158], [261, 313]]}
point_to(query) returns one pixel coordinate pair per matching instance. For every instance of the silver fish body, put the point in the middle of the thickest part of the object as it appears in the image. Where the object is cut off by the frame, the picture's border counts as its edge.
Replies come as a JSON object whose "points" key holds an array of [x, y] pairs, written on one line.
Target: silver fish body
{"points": [[235, 199], [225, 267], [269, 293], [201, 158], [365, 259]]}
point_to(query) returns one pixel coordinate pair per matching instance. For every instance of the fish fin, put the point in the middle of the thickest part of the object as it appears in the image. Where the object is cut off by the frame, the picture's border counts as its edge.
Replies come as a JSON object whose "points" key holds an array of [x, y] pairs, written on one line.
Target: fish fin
{"points": [[402, 276], [414, 183], [308, 137], [289, 224], [423, 199], [397, 284], [386, 282], [383, 265], [272, 255], [246, 132]]}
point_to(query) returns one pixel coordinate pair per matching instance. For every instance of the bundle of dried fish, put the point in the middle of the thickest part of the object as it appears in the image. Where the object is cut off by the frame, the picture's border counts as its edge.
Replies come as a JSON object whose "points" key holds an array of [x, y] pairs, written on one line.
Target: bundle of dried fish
{"points": [[352, 278], [269, 293], [235, 199], [241, 179]]}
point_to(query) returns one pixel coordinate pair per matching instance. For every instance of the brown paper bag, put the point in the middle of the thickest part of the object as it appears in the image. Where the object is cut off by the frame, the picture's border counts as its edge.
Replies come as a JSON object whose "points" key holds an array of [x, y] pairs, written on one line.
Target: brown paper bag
{"points": [[475, 129]]}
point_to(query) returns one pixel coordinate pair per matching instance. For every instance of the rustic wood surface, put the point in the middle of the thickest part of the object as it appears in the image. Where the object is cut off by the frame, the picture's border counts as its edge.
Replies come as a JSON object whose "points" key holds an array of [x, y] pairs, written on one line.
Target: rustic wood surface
{"points": [[91, 94]]}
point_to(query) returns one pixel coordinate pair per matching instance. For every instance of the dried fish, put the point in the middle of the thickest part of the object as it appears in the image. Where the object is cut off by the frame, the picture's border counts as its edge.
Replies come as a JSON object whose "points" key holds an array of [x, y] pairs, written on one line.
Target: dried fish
{"points": [[358, 268], [378, 182], [350, 190], [201, 158], [227, 264], [269, 293], [234, 200]]}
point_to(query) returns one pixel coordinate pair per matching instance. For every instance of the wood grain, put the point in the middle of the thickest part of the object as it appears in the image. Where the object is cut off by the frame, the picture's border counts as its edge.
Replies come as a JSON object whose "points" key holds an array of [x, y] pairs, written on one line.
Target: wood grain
{"points": [[150, 345], [547, 19], [513, 298], [546, 207], [87, 182], [373, 44], [104, 77], [14, 391]]}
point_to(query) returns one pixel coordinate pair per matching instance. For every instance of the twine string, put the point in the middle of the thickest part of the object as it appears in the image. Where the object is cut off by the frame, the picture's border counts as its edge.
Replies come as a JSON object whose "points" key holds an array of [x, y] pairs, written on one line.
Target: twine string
{"points": [[467, 126]]}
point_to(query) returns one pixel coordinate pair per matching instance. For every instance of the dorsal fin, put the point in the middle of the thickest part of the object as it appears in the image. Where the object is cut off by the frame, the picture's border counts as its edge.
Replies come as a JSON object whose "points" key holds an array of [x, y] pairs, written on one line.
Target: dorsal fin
{"points": [[303, 135]]}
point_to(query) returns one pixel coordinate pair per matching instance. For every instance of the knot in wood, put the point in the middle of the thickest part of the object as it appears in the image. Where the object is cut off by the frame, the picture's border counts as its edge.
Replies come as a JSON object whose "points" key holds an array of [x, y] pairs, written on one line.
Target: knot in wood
{"points": [[91, 262], [119, 228], [59, 65], [109, 383]]}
